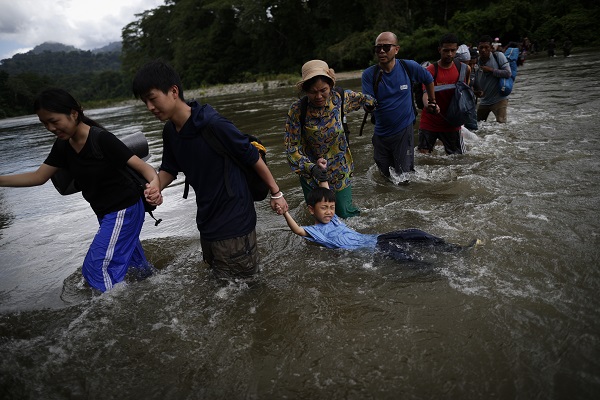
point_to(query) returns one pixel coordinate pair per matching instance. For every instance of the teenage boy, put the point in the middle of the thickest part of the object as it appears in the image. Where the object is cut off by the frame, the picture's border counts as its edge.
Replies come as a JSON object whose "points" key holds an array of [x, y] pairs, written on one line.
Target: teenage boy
{"points": [[446, 73], [225, 216], [331, 232]]}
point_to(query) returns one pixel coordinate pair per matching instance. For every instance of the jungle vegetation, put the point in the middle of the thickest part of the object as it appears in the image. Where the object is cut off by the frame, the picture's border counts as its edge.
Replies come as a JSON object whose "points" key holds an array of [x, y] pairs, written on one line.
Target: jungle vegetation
{"points": [[227, 41]]}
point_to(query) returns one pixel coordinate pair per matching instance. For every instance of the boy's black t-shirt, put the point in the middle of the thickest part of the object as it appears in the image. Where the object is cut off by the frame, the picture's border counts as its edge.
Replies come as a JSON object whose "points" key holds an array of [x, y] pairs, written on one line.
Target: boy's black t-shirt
{"points": [[219, 216], [101, 181]]}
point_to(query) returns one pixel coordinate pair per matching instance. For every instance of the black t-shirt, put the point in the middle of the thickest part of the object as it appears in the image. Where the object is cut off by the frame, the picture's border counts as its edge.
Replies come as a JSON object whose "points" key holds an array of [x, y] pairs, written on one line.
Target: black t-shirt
{"points": [[102, 181], [220, 216]]}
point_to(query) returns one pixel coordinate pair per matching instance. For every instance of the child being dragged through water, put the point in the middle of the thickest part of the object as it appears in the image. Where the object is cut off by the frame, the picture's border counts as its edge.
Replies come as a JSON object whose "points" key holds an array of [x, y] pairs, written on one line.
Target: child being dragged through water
{"points": [[331, 232]]}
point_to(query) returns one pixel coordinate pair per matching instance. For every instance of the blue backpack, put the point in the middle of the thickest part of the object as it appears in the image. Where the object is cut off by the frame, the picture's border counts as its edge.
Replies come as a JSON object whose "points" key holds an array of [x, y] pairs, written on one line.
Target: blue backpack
{"points": [[505, 85], [512, 55]]}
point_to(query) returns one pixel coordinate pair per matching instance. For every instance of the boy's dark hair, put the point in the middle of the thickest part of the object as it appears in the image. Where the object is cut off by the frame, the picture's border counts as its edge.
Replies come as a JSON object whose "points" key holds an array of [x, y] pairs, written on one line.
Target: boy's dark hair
{"points": [[449, 38], [486, 39], [156, 74], [320, 194]]}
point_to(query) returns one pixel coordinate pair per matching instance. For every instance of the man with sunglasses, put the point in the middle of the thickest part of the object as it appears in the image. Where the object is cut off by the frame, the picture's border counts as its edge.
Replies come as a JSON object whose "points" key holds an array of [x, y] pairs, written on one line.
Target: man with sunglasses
{"points": [[390, 82]]}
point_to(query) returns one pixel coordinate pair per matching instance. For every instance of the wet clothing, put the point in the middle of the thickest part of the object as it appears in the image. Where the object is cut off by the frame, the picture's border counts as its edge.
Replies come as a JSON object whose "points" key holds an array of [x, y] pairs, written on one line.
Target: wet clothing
{"points": [[336, 235], [499, 109], [452, 141], [220, 216], [396, 151], [434, 126], [394, 110], [323, 137], [237, 257], [116, 202], [488, 81], [100, 182], [394, 115], [115, 248]]}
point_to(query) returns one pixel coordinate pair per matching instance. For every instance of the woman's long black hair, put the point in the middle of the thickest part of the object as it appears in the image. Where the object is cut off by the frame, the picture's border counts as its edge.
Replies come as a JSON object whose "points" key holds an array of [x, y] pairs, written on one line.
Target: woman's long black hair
{"points": [[60, 101]]}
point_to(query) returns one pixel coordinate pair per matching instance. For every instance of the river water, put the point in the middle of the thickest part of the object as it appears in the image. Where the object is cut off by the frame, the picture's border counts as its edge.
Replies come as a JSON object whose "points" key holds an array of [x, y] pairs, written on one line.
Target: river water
{"points": [[517, 317]]}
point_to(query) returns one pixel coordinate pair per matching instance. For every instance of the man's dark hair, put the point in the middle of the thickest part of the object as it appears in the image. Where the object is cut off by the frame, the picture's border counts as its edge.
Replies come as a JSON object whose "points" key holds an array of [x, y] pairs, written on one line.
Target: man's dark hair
{"points": [[156, 74], [448, 38], [486, 39], [320, 194]]}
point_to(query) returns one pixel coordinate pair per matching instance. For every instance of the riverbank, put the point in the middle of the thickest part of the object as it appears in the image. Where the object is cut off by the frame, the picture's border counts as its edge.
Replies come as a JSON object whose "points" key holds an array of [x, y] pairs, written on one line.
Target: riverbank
{"points": [[234, 88]]}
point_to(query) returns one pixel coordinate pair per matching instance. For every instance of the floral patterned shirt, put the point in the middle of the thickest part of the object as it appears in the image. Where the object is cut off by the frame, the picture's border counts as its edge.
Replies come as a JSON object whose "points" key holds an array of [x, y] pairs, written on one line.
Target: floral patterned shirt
{"points": [[323, 137]]}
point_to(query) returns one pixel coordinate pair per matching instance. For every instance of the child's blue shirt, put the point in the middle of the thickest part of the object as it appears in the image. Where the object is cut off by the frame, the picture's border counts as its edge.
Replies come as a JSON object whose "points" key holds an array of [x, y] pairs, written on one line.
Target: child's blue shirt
{"points": [[336, 234]]}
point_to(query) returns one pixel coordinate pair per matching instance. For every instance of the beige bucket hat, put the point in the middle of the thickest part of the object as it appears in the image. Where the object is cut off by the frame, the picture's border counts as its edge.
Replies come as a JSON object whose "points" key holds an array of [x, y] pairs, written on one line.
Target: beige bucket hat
{"points": [[313, 68]]}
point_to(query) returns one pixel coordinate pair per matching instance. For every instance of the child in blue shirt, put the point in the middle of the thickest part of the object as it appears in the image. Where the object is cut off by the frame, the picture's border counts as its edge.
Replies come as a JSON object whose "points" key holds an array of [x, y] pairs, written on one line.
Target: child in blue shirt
{"points": [[331, 232]]}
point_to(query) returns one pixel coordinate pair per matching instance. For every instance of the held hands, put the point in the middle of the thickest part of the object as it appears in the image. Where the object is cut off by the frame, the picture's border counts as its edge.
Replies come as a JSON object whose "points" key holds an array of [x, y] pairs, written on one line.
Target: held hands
{"points": [[278, 203], [153, 195], [319, 170]]}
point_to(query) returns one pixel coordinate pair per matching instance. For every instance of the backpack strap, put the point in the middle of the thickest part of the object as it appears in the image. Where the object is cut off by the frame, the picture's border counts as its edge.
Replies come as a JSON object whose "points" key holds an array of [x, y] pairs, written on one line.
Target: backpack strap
{"points": [[342, 94], [462, 74], [303, 110], [495, 53], [412, 95], [377, 77]]}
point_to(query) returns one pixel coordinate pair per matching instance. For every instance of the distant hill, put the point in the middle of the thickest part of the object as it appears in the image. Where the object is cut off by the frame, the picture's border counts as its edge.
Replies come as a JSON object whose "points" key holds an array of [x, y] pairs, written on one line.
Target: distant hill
{"points": [[53, 47], [114, 47], [56, 59]]}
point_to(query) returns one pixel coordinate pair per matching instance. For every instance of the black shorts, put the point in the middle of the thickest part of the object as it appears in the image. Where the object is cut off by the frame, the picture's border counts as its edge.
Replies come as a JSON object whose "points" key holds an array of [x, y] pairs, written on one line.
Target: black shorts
{"points": [[452, 141]]}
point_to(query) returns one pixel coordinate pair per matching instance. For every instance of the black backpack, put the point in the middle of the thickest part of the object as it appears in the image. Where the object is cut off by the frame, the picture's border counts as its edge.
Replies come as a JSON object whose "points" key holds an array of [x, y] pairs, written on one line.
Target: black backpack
{"points": [[304, 106], [258, 188], [415, 90], [463, 102]]}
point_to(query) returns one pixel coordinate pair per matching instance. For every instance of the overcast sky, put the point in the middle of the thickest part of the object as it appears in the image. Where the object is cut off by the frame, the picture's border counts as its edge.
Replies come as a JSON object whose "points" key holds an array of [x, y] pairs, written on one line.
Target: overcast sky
{"points": [[85, 24]]}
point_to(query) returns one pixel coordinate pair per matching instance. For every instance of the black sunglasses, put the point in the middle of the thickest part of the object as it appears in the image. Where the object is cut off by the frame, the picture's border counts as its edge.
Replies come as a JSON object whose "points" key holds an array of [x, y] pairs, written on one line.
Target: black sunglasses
{"points": [[386, 47]]}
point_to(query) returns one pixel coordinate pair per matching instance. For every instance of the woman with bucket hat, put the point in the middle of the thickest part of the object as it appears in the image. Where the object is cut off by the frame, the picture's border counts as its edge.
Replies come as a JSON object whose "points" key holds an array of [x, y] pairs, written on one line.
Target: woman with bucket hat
{"points": [[320, 138]]}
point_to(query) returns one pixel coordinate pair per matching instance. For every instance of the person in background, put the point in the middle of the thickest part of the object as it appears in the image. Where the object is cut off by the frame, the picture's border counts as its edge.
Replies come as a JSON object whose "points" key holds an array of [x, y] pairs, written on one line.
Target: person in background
{"points": [[491, 67], [321, 135], [434, 126], [226, 217], [474, 58], [390, 83], [496, 44], [567, 46], [104, 184], [551, 48]]}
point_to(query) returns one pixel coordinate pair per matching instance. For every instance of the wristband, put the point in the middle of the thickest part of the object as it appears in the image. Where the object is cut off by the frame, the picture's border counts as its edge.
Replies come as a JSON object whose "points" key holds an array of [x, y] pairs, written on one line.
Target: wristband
{"points": [[277, 197], [431, 101]]}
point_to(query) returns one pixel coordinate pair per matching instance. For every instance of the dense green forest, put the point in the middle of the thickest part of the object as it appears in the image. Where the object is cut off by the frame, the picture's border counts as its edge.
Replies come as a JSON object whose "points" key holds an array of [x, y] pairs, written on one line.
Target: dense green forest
{"points": [[225, 41]]}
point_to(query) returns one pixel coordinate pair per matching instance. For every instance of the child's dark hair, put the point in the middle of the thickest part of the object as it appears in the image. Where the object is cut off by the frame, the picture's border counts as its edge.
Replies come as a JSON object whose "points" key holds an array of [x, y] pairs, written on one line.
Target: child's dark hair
{"points": [[320, 194], [60, 101], [156, 74]]}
